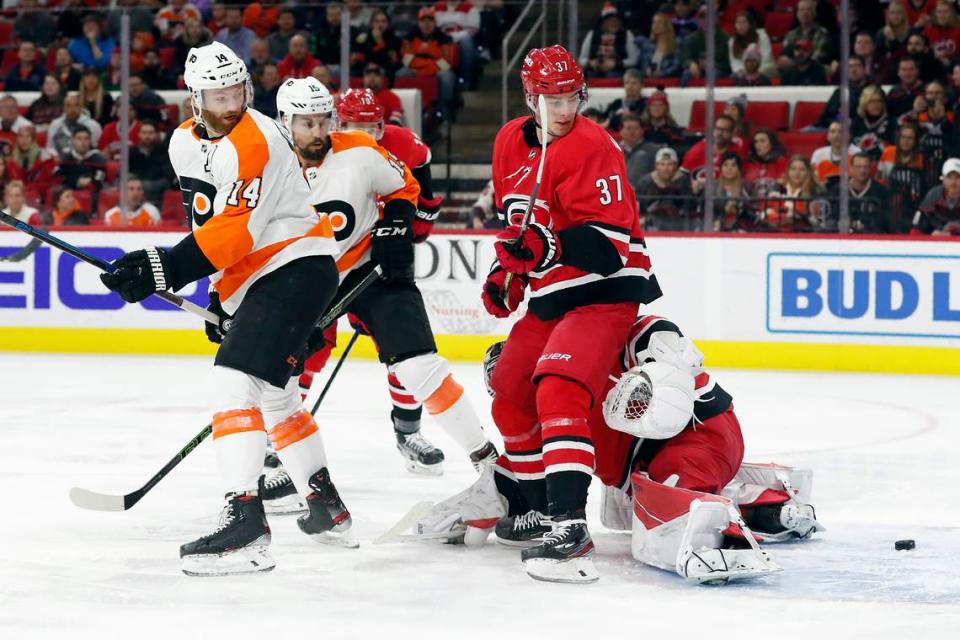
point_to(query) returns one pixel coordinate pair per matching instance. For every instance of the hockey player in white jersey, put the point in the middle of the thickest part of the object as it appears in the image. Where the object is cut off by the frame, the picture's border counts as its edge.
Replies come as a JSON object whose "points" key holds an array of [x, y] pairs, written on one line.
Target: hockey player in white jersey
{"points": [[272, 262], [370, 198], [668, 451]]}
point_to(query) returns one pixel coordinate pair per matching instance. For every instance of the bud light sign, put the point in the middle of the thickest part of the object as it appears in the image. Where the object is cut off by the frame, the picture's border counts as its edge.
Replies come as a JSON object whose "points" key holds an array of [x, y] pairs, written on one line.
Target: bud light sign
{"points": [[864, 294]]}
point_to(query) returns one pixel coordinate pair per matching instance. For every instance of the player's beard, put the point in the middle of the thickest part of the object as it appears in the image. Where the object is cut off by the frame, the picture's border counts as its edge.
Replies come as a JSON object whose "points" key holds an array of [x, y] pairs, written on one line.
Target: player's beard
{"points": [[313, 153], [221, 125]]}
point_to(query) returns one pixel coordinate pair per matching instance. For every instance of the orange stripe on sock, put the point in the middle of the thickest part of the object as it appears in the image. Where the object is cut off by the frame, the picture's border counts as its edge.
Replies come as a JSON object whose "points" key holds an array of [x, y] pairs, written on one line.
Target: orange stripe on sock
{"points": [[444, 397], [227, 423], [293, 429]]}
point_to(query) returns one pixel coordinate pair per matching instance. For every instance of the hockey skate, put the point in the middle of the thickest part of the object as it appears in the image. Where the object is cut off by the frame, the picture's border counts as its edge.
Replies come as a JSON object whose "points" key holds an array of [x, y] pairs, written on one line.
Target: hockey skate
{"points": [[239, 543], [419, 454], [523, 531], [783, 522], [485, 456], [271, 460], [328, 520], [279, 495], [564, 554]]}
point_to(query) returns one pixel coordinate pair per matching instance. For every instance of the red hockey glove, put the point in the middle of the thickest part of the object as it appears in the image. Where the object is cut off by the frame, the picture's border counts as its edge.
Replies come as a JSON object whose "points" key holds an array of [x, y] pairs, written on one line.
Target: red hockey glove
{"points": [[493, 296], [538, 249], [428, 210]]}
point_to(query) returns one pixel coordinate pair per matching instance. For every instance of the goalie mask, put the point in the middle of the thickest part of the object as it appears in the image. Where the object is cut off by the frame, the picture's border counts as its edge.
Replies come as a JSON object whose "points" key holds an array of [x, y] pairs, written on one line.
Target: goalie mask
{"points": [[651, 401], [490, 359]]}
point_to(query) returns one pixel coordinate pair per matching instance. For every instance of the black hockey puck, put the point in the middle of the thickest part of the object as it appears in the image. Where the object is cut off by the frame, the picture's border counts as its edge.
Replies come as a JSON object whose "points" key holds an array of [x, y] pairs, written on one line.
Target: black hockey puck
{"points": [[904, 545]]}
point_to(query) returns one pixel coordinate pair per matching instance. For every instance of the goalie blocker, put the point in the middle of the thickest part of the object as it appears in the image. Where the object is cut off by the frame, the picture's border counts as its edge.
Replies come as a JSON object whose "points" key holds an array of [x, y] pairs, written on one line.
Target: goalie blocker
{"points": [[668, 450]]}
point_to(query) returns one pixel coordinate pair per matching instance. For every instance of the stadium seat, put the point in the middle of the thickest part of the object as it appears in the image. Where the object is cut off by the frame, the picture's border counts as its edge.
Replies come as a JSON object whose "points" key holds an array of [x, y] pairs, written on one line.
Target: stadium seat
{"points": [[776, 48], [661, 82], [608, 83], [356, 82], [51, 57], [8, 61], [113, 171], [804, 144], [721, 82], [778, 24], [785, 5], [109, 198], [429, 90], [166, 57], [171, 209], [771, 115], [805, 113], [698, 115], [6, 33], [172, 114], [84, 199], [22, 109]]}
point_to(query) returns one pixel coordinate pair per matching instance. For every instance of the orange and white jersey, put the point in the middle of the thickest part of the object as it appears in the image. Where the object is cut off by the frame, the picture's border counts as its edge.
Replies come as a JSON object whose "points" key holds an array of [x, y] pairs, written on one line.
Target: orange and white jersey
{"points": [[356, 176], [146, 215], [248, 202]]}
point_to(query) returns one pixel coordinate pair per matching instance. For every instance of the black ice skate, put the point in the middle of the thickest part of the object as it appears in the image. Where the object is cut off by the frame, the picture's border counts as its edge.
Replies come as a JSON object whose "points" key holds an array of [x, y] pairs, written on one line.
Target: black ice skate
{"points": [[271, 460], [564, 554], [328, 521], [420, 456], [525, 530], [782, 522], [484, 456], [279, 495], [238, 545]]}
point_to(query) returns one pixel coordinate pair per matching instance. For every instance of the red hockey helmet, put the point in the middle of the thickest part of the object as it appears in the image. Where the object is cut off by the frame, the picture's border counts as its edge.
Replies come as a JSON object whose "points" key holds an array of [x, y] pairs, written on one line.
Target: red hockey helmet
{"points": [[551, 70], [359, 105]]}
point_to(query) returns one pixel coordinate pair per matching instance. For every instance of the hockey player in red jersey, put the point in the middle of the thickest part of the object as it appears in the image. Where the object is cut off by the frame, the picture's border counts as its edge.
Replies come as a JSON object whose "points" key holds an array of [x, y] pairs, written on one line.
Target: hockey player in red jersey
{"points": [[668, 452], [357, 110], [584, 259]]}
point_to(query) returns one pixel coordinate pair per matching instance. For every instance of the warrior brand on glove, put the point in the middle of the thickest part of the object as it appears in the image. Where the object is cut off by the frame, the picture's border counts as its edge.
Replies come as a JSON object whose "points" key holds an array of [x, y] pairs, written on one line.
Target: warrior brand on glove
{"points": [[536, 249], [139, 274]]}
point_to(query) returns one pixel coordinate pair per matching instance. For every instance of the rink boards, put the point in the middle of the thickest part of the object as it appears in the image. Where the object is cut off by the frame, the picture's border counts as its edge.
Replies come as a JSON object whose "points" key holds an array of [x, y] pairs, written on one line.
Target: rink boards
{"points": [[755, 301]]}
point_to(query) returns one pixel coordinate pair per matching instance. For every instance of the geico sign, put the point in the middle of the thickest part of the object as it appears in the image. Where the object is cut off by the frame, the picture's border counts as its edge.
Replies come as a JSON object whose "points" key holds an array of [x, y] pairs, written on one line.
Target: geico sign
{"points": [[866, 294], [53, 280]]}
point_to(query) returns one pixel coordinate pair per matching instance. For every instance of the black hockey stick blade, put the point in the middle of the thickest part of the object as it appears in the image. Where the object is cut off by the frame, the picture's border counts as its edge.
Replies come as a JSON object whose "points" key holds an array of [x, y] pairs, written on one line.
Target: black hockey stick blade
{"points": [[86, 499]]}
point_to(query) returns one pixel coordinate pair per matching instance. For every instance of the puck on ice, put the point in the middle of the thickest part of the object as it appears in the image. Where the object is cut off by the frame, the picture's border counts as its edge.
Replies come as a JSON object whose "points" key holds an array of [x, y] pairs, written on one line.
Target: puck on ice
{"points": [[904, 545]]}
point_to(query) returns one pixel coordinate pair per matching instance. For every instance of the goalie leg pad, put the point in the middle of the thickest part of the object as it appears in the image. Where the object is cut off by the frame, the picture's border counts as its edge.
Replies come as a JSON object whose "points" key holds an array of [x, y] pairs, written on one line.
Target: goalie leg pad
{"points": [[467, 517], [681, 530], [775, 500]]}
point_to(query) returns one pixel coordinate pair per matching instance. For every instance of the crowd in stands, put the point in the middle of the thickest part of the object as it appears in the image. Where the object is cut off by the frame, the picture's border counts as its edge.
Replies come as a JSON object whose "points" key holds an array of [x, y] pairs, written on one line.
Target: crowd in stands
{"points": [[60, 150], [904, 78]]}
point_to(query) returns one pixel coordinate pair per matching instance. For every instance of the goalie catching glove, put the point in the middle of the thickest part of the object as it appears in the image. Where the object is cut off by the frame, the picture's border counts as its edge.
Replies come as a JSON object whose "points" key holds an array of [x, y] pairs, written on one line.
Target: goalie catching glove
{"points": [[654, 400]]}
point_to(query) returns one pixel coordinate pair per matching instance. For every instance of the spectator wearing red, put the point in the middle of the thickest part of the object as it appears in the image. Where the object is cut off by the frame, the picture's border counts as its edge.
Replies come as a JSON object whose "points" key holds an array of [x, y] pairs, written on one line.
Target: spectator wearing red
{"points": [[919, 12], [29, 162], [461, 21], [278, 42], [261, 17], [139, 212], [795, 210], [27, 75], [901, 97], [378, 44], [83, 166], [766, 162], [429, 52], [66, 210], [170, 19], [939, 213], [658, 124], [48, 106], [374, 79], [298, 63], [95, 98], [15, 204], [723, 141], [218, 17], [149, 161], [110, 140], [11, 122], [892, 38], [943, 32], [65, 71]]}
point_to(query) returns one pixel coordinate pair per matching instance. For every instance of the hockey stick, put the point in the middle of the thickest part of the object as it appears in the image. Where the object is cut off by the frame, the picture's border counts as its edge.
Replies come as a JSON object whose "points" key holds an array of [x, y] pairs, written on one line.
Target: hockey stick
{"points": [[86, 499], [103, 265], [525, 222], [336, 369], [23, 253]]}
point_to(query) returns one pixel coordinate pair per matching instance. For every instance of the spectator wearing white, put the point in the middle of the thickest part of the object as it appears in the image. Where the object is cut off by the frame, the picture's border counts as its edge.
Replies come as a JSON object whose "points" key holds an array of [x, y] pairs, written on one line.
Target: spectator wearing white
{"points": [[360, 13], [139, 212], [609, 48], [746, 33], [60, 134], [235, 35], [15, 203], [10, 119], [826, 160]]}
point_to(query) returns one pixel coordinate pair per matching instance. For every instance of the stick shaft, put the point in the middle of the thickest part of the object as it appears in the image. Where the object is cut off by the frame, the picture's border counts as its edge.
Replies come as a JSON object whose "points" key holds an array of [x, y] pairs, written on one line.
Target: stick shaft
{"points": [[336, 370]]}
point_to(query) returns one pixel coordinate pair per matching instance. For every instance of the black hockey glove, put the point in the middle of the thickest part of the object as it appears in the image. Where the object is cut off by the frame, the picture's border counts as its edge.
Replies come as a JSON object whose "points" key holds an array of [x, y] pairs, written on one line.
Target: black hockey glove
{"points": [[392, 247], [139, 274], [217, 332]]}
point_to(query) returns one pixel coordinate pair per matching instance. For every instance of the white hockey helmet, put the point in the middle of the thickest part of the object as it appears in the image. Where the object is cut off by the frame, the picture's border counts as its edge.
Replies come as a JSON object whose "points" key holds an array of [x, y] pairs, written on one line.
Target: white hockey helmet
{"points": [[303, 96], [214, 66]]}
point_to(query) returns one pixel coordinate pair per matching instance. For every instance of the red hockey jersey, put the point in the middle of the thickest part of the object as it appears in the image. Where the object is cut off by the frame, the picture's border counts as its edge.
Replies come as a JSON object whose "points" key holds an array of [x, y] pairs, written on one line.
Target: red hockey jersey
{"points": [[405, 145], [586, 199]]}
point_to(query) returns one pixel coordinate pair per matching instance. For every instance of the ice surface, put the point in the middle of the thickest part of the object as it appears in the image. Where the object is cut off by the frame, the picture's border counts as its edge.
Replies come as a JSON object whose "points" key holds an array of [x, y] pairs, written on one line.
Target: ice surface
{"points": [[883, 450]]}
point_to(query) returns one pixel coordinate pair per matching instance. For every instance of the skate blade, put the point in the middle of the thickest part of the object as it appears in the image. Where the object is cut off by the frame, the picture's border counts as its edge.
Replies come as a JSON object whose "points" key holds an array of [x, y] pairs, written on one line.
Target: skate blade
{"points": [[575, 571], [518, 544], [286, 505], [420, 469], [345, 539], [253, 559]]}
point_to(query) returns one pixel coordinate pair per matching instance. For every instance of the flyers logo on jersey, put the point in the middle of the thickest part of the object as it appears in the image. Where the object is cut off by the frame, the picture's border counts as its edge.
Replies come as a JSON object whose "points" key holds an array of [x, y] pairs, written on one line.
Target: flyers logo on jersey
{"points": [[198, 197], [342, 216]]}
